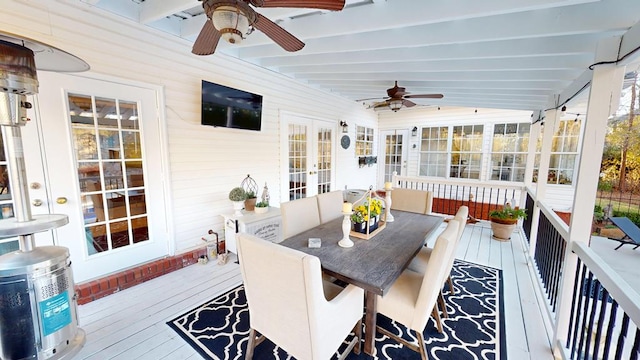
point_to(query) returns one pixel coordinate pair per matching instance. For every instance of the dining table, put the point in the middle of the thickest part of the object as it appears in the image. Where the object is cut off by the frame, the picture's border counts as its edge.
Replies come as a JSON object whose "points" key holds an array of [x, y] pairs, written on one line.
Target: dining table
{"points": [[372, 264]]}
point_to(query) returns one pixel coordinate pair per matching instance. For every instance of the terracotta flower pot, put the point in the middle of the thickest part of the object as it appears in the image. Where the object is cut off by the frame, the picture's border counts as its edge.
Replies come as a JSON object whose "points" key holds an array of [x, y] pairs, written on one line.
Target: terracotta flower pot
{"points": [[250, 204], [503, 228]]}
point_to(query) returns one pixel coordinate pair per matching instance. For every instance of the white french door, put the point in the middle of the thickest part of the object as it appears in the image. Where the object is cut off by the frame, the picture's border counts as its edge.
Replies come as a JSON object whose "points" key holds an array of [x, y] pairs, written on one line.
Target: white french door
{"points": [[393, 154], [100, 155], [309, 157]]}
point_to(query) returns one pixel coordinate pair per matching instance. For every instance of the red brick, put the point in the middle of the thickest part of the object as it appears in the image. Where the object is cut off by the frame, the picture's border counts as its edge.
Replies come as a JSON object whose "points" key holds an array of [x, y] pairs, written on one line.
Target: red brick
{"points": [[129, 276], [104, 284], [95, 287], [113, 281], [85, 300]]}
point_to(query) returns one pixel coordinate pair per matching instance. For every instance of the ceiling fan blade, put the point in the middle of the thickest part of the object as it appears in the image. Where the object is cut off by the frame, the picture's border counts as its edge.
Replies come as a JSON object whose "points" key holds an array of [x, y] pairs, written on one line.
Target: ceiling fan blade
{"points": [[425, 96], [207, 40], [281, 36], [375, 98], [408, 103], [334, 5]]}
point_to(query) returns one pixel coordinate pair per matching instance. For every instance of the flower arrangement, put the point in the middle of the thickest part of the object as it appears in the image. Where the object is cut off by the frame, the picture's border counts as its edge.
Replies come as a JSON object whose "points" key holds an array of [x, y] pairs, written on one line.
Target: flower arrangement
{"points": [[370, 209]]}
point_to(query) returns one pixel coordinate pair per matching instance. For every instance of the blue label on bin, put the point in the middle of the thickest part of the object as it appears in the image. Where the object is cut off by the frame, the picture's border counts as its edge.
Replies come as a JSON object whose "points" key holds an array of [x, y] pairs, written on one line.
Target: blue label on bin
{"points": [[55, 313]]}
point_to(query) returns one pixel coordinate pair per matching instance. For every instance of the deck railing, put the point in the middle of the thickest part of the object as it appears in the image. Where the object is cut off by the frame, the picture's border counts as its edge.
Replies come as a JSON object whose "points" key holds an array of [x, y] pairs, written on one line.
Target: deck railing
{"points": [[450, 194], [605, 312], [528, 221], [549, 253]]}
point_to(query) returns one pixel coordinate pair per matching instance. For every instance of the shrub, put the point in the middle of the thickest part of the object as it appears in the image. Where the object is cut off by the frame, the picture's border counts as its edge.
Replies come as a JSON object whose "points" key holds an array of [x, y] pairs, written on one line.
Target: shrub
{"points": [[237, 194]]}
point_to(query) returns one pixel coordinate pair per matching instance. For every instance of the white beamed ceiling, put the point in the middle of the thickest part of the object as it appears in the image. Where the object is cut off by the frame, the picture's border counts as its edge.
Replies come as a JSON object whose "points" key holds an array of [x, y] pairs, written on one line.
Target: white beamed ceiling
{"points": [[516, 54]]}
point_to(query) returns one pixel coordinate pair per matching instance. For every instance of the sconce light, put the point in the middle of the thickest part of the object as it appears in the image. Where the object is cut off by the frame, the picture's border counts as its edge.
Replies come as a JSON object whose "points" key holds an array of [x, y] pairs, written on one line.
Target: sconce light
{"points": [[345, 126], [577, 117], [414, 131], [563, 110]]}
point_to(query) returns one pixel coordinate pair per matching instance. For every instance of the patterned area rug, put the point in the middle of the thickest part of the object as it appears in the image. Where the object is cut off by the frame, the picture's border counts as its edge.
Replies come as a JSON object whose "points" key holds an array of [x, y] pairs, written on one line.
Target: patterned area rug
{"points": [[474, 329]]}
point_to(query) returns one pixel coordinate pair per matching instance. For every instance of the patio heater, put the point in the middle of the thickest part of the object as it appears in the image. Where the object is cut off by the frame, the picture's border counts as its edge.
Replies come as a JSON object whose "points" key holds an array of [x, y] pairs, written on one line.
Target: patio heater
{"points": [[37, 298]]}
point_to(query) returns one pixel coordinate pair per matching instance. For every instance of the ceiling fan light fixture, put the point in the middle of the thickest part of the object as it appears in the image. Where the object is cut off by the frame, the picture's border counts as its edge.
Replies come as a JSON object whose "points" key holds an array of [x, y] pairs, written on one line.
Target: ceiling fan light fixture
{"points": [[231, 22], [395, 105]]}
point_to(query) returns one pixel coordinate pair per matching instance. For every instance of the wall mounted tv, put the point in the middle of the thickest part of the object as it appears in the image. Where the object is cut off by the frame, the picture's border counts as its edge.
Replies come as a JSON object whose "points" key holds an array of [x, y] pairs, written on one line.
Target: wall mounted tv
{"points": [[227, 107]]}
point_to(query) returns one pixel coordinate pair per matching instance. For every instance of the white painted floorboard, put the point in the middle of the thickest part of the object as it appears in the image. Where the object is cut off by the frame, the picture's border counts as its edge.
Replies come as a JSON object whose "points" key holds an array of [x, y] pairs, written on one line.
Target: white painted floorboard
{"points": [[131, 324]]}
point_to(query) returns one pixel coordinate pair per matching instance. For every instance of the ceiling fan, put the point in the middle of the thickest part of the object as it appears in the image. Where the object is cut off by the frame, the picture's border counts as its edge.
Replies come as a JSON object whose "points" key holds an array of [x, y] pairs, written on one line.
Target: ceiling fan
{"points": [[233, 19], [397, 98]]}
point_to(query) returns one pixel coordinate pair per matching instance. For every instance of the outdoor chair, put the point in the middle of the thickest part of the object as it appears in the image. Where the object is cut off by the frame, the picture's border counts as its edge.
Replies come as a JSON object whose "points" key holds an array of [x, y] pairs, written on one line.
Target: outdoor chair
{"points": [[630, 230], [292, 306], [299, 215], [412, 200], [330, 205], [421, 260], [412, 298]]}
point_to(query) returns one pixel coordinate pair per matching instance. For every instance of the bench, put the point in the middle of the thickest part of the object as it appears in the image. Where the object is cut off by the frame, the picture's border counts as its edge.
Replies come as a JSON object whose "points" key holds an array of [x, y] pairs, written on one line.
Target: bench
{"points": [[630, 230]]}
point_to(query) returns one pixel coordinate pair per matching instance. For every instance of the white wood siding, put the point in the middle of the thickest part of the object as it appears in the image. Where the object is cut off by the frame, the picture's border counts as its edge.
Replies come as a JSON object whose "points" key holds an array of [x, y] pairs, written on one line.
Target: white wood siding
{"points": [[205, 162]]}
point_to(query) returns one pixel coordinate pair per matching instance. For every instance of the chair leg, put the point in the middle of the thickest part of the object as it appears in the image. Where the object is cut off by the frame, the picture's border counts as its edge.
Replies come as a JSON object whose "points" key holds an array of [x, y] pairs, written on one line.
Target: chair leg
{"points": [[451, 288], [436, 316], [442, 305], [421, 344], [251, 344], [358, 332]]}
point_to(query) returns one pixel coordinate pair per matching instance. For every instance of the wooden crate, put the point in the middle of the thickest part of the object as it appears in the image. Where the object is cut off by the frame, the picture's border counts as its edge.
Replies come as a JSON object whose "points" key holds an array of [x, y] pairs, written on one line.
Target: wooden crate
{"points": [[359, 235]]}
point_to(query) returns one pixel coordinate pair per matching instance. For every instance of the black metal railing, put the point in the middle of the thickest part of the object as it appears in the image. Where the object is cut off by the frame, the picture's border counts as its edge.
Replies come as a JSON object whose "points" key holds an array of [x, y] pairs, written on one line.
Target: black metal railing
{"points": [[549, 258], [527, 222], [448, 197], [598, 327]]}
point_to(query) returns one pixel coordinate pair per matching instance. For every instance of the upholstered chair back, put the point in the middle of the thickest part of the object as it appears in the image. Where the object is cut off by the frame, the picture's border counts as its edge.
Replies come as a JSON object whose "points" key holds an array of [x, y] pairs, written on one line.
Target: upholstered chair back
{"points": [[287, 303], [416, 201], [330, 205], [299, 215], [461, 215], [434, 275]]}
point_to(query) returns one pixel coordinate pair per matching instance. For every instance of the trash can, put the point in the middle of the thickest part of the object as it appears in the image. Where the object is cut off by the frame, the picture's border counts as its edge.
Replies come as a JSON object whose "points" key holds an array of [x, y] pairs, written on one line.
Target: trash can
{"points": [[38, 318]]}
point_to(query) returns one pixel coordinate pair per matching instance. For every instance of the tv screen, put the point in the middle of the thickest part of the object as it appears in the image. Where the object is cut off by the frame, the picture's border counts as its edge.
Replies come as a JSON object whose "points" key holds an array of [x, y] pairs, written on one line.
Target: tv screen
{"points": [[226, 107]]}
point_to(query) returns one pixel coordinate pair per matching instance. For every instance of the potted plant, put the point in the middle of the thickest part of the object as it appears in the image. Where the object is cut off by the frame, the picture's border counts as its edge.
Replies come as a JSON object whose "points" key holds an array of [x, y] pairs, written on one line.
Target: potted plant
{"points": [[262, 207], [250, 201], [237, 195], [504, 221], [366, 215]]}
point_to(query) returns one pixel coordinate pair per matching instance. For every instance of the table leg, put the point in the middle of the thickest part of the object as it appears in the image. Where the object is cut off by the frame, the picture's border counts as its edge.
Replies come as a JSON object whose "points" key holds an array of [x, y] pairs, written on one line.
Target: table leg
{"points": [[370, 322]]}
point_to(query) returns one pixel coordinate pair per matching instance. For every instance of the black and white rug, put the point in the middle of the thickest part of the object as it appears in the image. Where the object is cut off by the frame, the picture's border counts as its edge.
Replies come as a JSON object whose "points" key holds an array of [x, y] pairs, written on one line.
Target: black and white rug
{"points": [[474, 330]]}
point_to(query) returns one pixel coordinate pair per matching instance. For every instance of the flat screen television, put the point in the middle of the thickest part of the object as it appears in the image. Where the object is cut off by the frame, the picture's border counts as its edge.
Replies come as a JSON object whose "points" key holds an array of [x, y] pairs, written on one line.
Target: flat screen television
{"points": [[227, 107]]}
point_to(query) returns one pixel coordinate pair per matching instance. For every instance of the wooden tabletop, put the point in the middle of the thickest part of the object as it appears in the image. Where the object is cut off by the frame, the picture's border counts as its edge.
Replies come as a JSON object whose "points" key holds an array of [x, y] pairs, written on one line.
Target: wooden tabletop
{"points": [[372, 264]]}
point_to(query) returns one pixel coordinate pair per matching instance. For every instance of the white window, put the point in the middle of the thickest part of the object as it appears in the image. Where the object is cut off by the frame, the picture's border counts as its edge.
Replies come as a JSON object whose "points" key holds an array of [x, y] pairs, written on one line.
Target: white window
{"points": [[466, 151], [564, 153], [509, 151], [433, 151], [364, 141]]}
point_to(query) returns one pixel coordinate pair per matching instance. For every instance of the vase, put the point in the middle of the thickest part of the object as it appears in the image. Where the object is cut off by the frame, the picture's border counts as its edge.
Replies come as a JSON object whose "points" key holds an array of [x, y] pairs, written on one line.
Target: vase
{"points": [[359, 227], [238, 206], [261, 210]]}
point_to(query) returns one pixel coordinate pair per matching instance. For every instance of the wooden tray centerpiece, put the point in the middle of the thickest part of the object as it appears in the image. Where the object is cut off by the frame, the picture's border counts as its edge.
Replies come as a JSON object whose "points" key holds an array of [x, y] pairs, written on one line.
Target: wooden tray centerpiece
{"points": [[367, 214]]}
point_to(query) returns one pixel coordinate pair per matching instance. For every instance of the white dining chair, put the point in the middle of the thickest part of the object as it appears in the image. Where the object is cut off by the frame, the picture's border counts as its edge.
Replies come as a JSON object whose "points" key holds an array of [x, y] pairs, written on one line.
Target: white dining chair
{"points": [[420, 261], [330, 205], [412, 298], [412, 200], [292, 306], [299, 215]]}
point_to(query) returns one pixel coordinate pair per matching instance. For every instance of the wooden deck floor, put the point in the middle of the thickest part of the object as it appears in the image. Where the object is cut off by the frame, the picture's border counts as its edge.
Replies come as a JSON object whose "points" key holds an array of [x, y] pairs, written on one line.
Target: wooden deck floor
{"points": [[131, 324]]}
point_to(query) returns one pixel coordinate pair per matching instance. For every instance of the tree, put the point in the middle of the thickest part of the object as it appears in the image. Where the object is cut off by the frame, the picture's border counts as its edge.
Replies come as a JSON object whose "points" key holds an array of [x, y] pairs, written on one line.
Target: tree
{"points": [[626, 141]]}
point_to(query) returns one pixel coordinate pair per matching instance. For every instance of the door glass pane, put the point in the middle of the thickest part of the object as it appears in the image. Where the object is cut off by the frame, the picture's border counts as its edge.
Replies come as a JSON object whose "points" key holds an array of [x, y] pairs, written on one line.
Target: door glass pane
{"points": [[324, 161], [393, 156], [297, 161], [110, 161]]}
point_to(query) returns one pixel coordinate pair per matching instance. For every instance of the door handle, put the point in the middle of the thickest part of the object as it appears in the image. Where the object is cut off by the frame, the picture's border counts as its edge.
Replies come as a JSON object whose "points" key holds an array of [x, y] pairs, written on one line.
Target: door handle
{"points": [[61, 200], [312, 172], [36, 202]]}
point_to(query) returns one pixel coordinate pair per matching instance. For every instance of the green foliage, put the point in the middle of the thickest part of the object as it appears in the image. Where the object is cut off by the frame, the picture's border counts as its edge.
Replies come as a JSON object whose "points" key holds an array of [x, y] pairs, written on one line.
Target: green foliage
{"points": [[262, 204], [634, 217], [251, 194], [598, 213], [237, 194], [508, 213]]}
